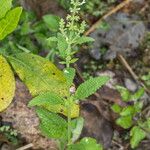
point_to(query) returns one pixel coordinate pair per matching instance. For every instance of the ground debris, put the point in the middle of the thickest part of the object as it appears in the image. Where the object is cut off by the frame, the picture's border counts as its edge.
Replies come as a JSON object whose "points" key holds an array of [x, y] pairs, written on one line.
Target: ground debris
{"points": [[24, 119], [124, 35]]}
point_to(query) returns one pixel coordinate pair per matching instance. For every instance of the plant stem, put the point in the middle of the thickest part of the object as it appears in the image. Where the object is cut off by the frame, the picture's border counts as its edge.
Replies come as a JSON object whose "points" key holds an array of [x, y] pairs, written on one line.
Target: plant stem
{"points": [[68, 55], [69, 121]]}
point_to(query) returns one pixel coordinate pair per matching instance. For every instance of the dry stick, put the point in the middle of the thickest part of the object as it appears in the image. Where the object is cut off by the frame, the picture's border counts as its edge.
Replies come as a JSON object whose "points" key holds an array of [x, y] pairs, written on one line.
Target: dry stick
{"points": [[124, 62], [122, 59], [95, 25], [135, 77], [118, 144], [114, 10], [25, 147], [78, 72]]}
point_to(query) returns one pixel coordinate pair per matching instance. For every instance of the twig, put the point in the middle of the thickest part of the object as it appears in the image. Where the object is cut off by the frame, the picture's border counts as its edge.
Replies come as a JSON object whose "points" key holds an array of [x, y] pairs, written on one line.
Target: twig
{"points": [[117, 8], [124, 62], [25, 147], [78, 72], [135, 77], [118, 144]]}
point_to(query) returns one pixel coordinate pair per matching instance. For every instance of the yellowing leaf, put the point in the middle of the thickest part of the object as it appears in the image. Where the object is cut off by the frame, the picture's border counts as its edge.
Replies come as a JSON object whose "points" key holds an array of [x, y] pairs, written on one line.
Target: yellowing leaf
{"points": [[9, 22], [63, 110], [7, 84], [74, 111], [39, 74], [54, 103]]}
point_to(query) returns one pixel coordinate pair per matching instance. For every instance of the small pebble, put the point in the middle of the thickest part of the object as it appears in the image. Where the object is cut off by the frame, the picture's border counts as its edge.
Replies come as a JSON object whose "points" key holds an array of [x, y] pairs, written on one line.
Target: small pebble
{"points": [[130, 85]]}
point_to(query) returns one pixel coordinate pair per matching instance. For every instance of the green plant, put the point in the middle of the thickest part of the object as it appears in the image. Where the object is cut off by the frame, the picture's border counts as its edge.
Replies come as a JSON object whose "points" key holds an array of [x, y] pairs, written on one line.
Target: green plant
{"points": [[146, 79], [53, 90], [31, 35], [130, 116], [49, 105], [9, 133], [70, 35]]}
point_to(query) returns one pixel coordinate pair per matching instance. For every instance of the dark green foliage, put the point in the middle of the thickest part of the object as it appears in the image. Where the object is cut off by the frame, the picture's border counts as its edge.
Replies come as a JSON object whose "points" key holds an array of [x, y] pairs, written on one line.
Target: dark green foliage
{"points": [[52, 125]]}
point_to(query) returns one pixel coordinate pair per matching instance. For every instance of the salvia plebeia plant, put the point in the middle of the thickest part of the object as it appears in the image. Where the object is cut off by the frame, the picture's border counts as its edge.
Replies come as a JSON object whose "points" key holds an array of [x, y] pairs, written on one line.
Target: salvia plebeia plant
{"points": [[54, 96], [131, 116]]}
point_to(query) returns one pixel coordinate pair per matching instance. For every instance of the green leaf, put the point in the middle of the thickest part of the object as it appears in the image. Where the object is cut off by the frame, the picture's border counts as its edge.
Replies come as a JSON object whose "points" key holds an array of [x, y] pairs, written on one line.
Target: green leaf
{"points": [[52, 39], [70, 74], [116, 108], [52, 22], [125, 121], [145, 125], [39, 74], [138, 94], [148, 123], [86, 144], [146, 77], [26, 29], [5, 6], [51, 42], [9, 23], [52, 125], [62, 45], [137, 135], [138, 106], [125, 94], [41, 39], [46, 99], [73, 60], [104, 25], [90, 86], [7, 84], [84, 39], [54, 103], [78, 129], [129, 110]]}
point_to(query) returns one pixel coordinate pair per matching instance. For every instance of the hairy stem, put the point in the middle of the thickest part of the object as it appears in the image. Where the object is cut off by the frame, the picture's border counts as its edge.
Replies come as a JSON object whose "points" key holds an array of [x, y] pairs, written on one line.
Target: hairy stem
{"points": [[69, 121]]}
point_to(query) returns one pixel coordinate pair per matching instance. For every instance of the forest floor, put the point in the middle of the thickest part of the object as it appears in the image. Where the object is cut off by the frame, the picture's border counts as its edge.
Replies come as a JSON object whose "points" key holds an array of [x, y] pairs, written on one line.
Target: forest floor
{"points": [[121, 51]]}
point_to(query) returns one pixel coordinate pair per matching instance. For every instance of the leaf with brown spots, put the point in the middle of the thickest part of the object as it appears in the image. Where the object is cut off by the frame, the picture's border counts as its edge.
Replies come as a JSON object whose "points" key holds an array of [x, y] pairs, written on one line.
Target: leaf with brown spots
{"points": [[39, 74]]}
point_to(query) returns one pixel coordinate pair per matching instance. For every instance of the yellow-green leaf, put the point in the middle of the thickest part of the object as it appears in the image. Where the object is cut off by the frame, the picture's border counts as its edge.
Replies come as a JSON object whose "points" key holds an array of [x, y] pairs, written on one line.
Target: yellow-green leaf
{"points": [[7, 84], [9, 22], [39, 74], [137, 135], [63, 110], [5, 5], [54, 103]]}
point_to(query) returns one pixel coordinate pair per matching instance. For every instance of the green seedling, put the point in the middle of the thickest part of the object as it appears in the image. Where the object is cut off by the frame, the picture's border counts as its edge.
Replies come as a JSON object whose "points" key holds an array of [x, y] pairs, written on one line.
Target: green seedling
{"points": [[9, 133], [130, 116]]}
